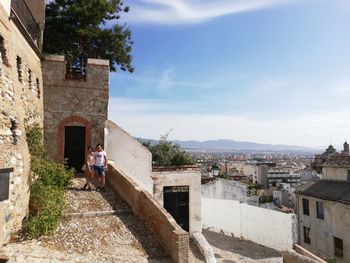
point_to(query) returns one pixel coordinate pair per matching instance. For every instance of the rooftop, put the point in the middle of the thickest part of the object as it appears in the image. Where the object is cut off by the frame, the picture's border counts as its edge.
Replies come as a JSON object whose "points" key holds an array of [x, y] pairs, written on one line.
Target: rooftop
{"points": [[338, 161], [337, 191]]}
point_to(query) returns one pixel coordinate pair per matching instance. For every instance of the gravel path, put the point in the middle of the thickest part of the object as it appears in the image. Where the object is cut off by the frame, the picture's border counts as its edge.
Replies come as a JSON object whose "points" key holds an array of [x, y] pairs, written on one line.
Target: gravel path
{"points": [[111, 238]]}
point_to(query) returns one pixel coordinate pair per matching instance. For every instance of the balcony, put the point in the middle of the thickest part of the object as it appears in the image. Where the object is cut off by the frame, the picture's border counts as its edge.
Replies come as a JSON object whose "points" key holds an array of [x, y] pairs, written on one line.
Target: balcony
{"points": [[26, 23]]}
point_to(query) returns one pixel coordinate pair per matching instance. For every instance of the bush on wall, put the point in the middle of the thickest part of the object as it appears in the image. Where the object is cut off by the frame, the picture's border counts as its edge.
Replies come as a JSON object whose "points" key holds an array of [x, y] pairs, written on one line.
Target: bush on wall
{"points": [[49, 179]]}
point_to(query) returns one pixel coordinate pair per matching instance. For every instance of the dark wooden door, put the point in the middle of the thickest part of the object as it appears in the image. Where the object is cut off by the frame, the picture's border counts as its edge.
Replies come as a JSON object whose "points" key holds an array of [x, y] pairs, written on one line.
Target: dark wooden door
{"points": [[74, 146], [176, 202]]}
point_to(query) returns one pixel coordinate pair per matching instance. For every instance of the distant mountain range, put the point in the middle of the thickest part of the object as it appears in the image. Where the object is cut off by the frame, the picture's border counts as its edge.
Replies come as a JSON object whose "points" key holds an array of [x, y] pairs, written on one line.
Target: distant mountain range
{"points": [[231, 145]]}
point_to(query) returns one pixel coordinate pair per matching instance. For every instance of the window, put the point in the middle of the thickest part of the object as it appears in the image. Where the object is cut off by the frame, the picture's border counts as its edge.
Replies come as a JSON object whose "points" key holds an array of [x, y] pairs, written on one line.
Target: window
{"points": [[338, 247], [38, 88], [307, 238], [348, 177], [30, 78], [5, 183], [306, 209], [19, 68], [3, 51], [319, 209]]}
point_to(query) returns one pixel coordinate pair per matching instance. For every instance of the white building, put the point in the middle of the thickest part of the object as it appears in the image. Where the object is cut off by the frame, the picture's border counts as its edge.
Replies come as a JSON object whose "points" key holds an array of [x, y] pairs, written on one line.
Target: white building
{"points": [[323, 209]]}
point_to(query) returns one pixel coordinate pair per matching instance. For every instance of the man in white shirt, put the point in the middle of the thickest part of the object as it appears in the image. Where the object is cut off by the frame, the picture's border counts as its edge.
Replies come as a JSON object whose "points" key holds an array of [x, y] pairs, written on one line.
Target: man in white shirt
{"points": [[100, 158]]}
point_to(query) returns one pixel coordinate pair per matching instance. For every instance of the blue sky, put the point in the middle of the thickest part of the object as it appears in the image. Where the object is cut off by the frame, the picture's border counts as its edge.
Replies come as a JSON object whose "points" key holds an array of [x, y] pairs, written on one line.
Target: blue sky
{"points": [[269, 71]]}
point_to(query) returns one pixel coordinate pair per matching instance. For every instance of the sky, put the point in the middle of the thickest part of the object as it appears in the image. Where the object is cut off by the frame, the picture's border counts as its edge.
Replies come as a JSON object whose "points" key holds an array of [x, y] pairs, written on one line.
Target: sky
{"points": [[266, 71]]}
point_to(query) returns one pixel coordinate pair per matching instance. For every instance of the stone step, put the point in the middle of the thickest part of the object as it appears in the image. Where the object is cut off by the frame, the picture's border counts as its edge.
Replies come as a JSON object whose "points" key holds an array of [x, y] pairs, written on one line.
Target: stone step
{"points": [[97, 213]]}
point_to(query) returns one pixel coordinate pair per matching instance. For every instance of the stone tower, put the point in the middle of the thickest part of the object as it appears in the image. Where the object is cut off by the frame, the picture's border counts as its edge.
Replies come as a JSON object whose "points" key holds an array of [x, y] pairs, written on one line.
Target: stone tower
{"points": [[75, 108]]}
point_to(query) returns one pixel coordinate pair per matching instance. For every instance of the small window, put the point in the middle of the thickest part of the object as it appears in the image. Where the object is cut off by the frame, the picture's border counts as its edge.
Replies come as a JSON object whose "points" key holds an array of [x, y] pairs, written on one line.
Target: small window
{"points": [[307, 238], [5, 183], [348, 177], [19, 68], [319, 209], [38, 88], [306, 209], [338, 247], [3, 51], [30, 79]]}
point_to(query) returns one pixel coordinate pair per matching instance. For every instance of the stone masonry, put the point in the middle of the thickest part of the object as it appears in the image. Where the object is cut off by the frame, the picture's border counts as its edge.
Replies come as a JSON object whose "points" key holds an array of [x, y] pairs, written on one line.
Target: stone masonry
{"points": [[20, 107], [74, 103]]}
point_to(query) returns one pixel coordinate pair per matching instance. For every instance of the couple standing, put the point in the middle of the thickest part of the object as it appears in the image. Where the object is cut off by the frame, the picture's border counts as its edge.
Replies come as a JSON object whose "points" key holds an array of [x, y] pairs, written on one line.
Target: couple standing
{"points": [[96, 163]]}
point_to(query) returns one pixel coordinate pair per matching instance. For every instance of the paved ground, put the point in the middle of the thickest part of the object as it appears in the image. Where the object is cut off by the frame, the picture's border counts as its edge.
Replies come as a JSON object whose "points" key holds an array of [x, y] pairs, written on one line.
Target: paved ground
{"points": [[112, 238], [233, 250], [119, 237]]}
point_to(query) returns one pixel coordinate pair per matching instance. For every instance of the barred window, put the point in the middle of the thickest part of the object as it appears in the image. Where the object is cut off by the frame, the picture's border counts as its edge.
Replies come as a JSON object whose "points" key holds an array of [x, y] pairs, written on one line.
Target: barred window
{"points": [[338, 247], [307, 238]]}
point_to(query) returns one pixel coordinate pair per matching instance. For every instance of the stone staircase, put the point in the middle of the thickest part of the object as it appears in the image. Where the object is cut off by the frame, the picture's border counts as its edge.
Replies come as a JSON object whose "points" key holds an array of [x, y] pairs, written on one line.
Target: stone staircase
{"points": [[97, 227]]}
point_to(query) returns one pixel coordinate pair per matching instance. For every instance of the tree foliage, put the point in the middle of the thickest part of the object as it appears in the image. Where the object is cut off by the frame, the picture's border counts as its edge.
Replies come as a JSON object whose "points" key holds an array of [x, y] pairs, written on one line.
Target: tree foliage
{"points": [[80, 28], [166, 153]]}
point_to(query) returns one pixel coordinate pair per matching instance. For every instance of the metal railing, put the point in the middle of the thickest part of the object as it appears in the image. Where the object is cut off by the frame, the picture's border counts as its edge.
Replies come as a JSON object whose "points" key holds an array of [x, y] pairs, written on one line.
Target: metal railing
{"points": [[21, 12]]}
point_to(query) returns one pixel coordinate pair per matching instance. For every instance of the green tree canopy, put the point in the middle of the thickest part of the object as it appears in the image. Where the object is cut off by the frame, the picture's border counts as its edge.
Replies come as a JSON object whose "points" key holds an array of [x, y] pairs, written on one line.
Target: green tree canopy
{"points": [[166, 153], [80, 28]]}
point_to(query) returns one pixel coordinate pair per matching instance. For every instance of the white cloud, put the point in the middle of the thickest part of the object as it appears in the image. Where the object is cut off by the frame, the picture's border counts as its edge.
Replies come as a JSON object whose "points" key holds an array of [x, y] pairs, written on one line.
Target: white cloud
{"points": [[150, 119], [192, 11], [341, 86]]}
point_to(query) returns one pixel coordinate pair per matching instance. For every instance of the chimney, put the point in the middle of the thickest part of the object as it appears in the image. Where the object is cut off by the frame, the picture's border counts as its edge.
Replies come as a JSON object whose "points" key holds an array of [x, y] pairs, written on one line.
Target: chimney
{"points": [[346, 148]]}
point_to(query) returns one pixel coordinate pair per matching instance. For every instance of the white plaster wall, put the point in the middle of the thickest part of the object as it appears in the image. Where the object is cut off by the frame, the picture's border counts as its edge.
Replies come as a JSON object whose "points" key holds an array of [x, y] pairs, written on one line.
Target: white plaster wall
{"points": [[266, 227], [225, 189], [129, 155], [6, 5], [220, 214], [330, 173], [336, 223], [182, 178]]}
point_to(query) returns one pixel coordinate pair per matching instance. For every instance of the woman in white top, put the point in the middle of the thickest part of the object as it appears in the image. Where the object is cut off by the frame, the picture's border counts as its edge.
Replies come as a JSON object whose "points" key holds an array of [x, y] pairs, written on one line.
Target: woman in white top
{"points": [[89, 170]]}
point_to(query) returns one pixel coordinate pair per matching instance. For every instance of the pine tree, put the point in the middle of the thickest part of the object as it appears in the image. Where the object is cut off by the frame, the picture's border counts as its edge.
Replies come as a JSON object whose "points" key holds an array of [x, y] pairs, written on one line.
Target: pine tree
{"points": [[88, 28]]}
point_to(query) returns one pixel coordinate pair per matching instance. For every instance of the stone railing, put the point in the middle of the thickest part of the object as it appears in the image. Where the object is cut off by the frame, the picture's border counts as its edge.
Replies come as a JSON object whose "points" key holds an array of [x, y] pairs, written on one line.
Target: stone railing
{"points": [[173, 239]]}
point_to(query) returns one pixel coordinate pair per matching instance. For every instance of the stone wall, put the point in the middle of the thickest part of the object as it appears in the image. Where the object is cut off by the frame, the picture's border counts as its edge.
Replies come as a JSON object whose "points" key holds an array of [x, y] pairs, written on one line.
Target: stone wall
{"points": [[20, 107], [74, 103], [171, 237]]}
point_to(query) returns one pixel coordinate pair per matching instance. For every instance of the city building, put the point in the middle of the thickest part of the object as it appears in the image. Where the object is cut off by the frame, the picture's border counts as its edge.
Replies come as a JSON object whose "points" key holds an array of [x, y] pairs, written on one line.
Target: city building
{"points": [[323, 209], [278, 175]]}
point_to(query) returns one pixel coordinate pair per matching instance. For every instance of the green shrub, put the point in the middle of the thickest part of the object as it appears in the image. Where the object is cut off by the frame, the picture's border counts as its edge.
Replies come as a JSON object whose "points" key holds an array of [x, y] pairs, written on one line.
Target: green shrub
{"points": [[46, 208], [35, 141], [51, 173], [47, 202], [166, 153]]}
